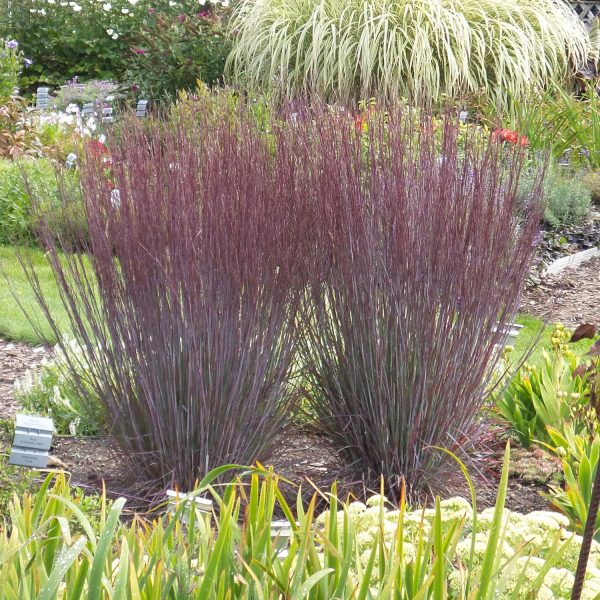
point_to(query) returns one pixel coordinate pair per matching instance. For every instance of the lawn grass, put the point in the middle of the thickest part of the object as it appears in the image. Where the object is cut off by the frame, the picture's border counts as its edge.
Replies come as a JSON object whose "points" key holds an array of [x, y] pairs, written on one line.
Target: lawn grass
{"points": [[14, 288], [535, 330]]}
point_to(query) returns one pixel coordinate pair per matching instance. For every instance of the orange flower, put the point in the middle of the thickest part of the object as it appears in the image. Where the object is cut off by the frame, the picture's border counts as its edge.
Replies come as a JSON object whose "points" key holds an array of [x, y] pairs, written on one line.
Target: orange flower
{"points": [[510, 136]]}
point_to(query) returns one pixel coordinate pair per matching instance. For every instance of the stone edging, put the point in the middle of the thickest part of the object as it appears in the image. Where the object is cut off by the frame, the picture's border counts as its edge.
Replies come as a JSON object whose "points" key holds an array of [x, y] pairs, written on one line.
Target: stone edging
{"points": [[572, 260]]}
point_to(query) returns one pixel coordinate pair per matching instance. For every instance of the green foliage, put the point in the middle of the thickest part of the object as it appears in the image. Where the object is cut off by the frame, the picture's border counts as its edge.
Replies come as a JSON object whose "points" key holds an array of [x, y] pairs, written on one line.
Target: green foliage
{"points": [[11, 61], [567, 125], [556, 404], [13, 480], [592, 182], [16, 220], [174, 52], [545, 394], [18, 132], [567, 196], [19, 183], [50, 392], [579, 453], [88, 38], [393, 48], [350, 551], [26, 133], [567, 200]]}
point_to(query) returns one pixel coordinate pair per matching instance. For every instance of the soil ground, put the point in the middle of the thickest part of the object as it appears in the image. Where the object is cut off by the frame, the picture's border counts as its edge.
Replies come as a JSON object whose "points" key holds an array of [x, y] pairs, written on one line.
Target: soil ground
{"points": [[572, 296], [304, 456]]}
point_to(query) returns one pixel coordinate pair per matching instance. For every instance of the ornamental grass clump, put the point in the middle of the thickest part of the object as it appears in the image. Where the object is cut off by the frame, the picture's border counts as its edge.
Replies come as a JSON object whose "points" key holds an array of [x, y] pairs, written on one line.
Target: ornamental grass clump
{"points": [[182, 307], [351, 49], [421, 247]]}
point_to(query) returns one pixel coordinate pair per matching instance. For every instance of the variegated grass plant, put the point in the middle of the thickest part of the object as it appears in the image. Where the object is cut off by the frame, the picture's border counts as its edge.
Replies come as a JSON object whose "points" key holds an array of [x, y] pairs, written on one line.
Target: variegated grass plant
{"points": [[424, 50], [347, 552]]}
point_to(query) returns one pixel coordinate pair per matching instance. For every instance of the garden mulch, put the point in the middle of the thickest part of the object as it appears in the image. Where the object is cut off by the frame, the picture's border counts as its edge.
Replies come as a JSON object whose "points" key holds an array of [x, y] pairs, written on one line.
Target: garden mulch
{"points": [[302, 456], [571, 296], [15, 360]]}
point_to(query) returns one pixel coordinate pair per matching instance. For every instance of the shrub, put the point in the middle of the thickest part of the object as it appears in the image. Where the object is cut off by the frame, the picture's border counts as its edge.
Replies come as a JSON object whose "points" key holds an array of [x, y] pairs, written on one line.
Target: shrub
{"points": [[87, 38], [423, 50], [187, 322], [592, 182], [419, 251], [174, 52], [567, 201], [18, 132], [567, 197], [25, 133]]}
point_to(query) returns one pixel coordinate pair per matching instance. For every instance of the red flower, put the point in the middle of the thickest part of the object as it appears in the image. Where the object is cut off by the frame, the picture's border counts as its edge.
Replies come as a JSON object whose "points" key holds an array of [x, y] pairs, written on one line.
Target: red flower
{"points": [[510, 136], [359, 123], [97, 149]]}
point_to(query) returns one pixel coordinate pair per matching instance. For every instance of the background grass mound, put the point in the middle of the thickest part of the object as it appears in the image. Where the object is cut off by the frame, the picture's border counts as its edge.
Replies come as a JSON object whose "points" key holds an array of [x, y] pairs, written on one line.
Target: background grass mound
{"points": [[399, 48]]}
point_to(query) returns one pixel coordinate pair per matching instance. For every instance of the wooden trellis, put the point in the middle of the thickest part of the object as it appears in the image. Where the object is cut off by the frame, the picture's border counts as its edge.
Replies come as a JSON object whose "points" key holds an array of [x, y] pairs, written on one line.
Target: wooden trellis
{"points": [[586, 11]]}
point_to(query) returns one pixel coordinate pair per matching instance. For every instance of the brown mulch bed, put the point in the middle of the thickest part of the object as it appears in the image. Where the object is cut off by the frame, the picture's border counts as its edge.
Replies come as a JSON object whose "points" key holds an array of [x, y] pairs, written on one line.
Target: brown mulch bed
{"points": [[571, 296], [15, 360], [303, 457]]}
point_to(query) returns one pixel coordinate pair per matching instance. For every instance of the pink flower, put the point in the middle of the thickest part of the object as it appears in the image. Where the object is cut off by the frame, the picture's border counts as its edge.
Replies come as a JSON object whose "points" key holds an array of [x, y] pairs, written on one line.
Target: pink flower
{"points": [[138, 51]]}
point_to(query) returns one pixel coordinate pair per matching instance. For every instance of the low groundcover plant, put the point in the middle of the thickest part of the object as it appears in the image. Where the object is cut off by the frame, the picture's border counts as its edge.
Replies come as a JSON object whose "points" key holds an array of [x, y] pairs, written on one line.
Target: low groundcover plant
{"points": [[49, 548]]}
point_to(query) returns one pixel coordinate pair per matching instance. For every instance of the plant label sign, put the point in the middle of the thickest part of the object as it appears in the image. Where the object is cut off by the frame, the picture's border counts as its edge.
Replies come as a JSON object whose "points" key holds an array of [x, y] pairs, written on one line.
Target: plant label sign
{"points": [[141, 109], [33, 438], [42, 98]]}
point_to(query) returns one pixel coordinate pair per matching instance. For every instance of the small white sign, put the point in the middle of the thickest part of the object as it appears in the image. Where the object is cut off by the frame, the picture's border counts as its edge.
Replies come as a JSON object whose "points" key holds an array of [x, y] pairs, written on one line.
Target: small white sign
{"points": [[28, 457], [33, 438]]}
